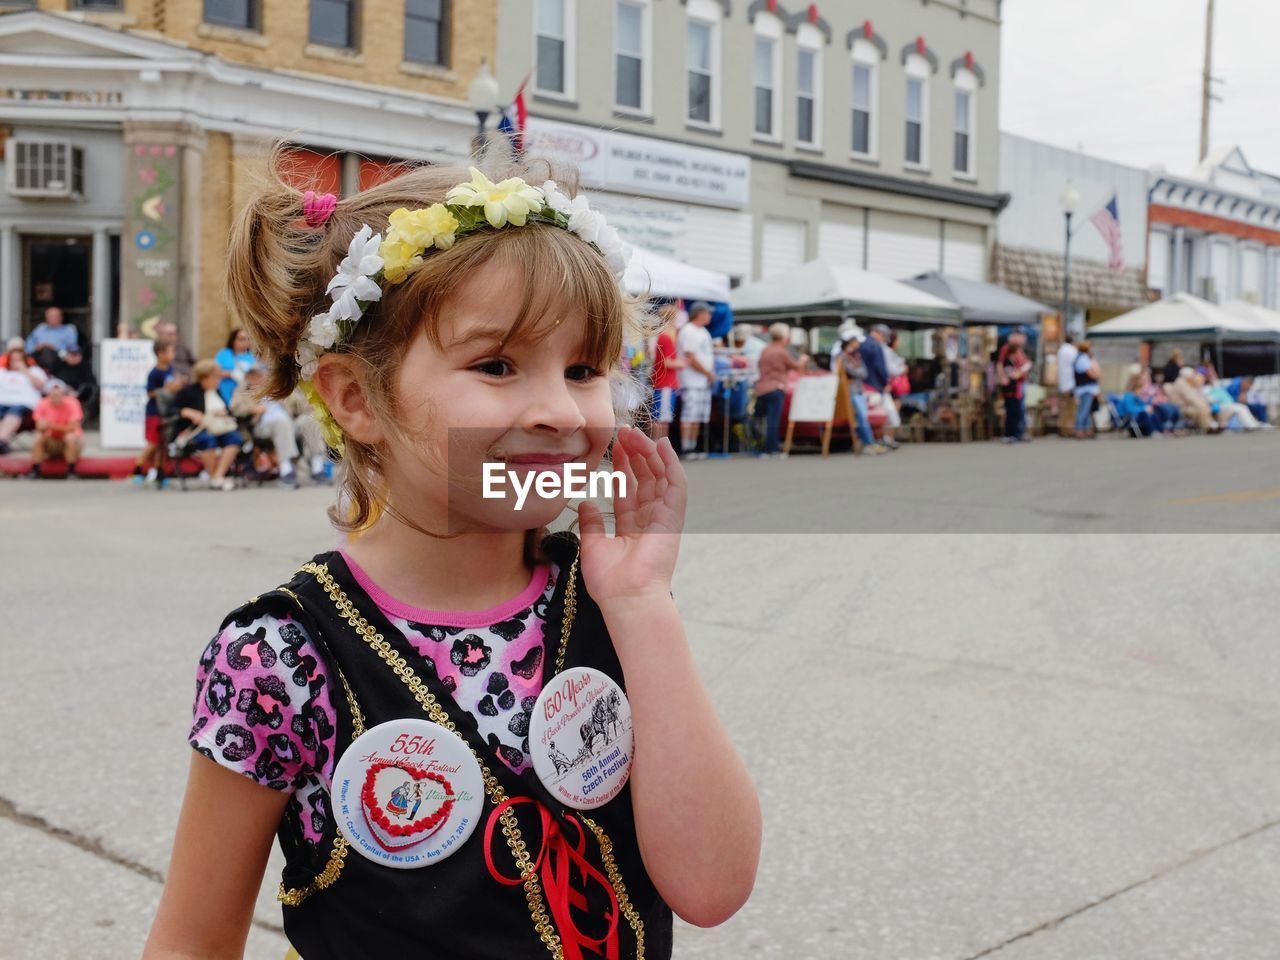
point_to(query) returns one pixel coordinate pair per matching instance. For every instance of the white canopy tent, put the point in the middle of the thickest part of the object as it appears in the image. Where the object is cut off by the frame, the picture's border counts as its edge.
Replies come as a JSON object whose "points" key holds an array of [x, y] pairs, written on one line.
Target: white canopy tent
{"points": [[1252, 313], [651, 274], [819, 290], [1184, 317]]}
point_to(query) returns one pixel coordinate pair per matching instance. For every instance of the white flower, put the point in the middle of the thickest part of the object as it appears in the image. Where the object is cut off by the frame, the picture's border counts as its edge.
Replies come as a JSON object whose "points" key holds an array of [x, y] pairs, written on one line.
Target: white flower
{"points": [[346, 305], [617, 252], [584, 221], [308, 358], [323, 330], [353, 280], [556, 199]]}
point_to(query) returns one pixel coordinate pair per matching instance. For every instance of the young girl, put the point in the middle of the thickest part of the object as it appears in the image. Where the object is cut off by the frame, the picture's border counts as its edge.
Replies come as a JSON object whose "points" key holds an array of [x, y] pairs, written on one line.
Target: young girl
{"points": [[440, 323]]}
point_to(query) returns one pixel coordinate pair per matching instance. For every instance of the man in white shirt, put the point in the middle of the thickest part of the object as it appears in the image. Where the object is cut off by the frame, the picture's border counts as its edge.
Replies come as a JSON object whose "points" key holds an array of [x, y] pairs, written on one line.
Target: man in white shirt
{"points": [[696, 376], [1067, 354]]}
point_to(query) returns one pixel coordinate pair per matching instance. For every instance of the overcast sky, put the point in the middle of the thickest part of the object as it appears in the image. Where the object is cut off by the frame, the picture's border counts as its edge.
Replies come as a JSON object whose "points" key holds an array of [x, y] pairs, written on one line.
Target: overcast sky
{"points": [[1121, 78]]}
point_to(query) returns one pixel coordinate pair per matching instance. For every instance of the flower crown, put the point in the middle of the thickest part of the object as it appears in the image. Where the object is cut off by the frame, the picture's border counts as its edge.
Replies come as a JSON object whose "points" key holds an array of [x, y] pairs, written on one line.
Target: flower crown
{"points": [[373, 262]]}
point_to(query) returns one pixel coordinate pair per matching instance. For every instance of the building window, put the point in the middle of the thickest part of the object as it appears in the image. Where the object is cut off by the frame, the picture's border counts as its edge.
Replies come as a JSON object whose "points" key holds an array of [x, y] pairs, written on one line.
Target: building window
{"points": [[333, 23], [104, 6], [426, 31], [808, 89], [631, 44], [766, 57], [966, 126], [866, 95], [701, 70], [231, 13], [917, 129], [554, 73]]}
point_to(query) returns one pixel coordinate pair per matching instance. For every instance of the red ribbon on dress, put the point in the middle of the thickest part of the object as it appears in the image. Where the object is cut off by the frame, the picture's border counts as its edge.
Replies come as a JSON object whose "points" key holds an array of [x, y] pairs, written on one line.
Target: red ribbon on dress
{"points": [[554, 864]]}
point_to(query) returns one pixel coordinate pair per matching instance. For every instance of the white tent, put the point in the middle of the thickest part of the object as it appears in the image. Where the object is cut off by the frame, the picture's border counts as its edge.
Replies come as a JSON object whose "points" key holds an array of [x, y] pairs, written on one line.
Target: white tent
{"points": [[653, 275], [818, 290], [1252, 313], [1183, 317]]}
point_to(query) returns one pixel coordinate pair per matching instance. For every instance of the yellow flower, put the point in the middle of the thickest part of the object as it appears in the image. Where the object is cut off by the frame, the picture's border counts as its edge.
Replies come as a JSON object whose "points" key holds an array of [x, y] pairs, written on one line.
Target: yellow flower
{"points": [[510, 201], [329, 428], [399, 258], [413, 232]]}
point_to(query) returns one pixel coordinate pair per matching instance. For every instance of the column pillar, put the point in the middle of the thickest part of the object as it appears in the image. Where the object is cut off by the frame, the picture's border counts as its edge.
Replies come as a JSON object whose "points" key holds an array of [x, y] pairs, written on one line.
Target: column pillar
{"points": [[1177, 282], [10, 285], [101, 287]]}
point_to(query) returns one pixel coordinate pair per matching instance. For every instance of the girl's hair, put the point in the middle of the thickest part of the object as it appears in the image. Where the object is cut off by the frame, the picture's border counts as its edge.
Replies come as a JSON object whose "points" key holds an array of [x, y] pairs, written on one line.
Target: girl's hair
{"points": [[278, 269], [204, 368], [231, 338]]}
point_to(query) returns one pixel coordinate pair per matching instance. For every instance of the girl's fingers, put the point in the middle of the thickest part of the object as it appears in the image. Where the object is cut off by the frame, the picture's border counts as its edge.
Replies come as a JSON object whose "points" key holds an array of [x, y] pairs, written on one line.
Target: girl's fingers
{"points": [[624, 507], [671, 463], [634, 441], [590, 522]]}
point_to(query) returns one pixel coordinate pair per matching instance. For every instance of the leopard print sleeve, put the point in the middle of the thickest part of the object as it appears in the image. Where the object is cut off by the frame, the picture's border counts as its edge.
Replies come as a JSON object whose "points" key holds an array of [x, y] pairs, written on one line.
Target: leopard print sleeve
{"points": [[263, 706]]}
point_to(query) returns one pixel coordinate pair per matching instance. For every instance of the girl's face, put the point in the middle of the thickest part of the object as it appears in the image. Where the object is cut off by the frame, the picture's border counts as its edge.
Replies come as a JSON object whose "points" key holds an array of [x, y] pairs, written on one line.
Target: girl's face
{"points": [[529, 405]]}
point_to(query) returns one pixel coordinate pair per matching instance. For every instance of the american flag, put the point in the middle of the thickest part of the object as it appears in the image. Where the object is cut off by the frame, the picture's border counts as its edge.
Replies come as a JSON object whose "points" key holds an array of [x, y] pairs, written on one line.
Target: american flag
{"points": [[1107, 220]]}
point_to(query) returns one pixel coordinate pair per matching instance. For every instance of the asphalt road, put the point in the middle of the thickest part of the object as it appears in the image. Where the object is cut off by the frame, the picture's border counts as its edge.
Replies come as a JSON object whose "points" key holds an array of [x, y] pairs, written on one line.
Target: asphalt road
{"points": [[968, 743]]}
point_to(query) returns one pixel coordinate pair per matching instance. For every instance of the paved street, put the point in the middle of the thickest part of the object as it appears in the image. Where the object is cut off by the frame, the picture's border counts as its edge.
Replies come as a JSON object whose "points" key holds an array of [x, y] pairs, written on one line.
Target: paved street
{"points": [[969, 744]]}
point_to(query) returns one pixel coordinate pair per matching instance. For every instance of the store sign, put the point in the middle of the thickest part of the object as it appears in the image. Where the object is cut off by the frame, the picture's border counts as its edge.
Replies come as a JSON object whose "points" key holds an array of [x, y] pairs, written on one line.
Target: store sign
{"points": [[644, 166], [125, 365]]}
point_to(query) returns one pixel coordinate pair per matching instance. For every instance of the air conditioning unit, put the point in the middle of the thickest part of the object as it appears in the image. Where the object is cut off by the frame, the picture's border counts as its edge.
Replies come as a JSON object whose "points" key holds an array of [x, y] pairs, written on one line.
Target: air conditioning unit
{"points": [[45, 168]]}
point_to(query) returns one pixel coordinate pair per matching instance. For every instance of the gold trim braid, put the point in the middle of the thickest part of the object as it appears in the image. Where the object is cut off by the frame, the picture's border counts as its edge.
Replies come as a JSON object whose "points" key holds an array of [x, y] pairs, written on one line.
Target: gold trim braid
{"points": [[292, 897]]}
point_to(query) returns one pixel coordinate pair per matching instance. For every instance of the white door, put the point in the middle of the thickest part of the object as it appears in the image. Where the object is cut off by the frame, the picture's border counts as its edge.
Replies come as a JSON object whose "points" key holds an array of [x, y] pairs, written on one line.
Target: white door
{"points": [[899, 245], [782, 244]]}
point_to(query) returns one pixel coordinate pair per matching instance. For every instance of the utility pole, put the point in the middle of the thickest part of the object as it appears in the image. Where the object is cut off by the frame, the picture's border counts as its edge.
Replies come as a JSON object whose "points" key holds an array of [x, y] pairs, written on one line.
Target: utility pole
{"points": [[1206, 91]]}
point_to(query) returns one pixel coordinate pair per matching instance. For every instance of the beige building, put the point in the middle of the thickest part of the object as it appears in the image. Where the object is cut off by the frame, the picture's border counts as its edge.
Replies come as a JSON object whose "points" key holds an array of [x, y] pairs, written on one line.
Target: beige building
{"points": [[747, 136], [128, 129]]}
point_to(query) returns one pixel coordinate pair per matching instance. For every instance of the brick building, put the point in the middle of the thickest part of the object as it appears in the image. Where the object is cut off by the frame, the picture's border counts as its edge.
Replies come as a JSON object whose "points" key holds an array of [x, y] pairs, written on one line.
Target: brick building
{"points": [[129, 128]]}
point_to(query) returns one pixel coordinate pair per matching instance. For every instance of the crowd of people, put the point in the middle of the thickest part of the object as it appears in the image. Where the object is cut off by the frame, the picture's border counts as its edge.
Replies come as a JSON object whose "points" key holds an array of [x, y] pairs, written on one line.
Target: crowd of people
{"points": [[47, 389], [213, 412], [1170, 400], [207, 411], [689, 370]]}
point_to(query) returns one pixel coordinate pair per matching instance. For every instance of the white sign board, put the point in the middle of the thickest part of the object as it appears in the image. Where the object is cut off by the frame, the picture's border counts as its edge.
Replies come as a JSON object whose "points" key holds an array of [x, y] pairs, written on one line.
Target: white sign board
{"points": [[643, 165], [813, 400], [125, 365]]}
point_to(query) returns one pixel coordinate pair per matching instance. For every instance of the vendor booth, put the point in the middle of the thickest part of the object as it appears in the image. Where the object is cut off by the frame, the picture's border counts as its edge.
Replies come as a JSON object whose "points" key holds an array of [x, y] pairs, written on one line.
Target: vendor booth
{"points": [[656, 277], [819, 298]]}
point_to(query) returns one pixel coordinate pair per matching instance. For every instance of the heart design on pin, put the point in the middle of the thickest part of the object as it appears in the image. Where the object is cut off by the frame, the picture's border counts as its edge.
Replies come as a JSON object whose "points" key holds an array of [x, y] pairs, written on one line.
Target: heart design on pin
{"points": [[403, 805]]}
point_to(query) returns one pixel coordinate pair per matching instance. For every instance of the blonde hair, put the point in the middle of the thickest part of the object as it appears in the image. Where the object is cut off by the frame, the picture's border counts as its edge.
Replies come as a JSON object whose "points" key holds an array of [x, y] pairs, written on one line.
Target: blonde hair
{"points": [[780, 331], [278, 269], [204, 368]]}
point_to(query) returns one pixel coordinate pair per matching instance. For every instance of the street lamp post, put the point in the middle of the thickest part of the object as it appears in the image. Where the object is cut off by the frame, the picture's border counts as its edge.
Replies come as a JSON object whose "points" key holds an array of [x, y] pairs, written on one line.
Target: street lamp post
{"points": [[1070, 199], [483, 96]]}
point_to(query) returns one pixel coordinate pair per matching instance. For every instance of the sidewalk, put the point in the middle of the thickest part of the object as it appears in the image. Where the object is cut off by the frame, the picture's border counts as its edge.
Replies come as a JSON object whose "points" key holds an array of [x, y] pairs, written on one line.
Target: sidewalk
{"points": [[96, 462]]}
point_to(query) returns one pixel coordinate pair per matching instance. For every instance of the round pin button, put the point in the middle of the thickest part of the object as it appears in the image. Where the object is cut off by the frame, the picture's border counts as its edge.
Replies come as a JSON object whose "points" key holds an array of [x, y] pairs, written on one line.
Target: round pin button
{"points": [[581, 738], [407, 793]]}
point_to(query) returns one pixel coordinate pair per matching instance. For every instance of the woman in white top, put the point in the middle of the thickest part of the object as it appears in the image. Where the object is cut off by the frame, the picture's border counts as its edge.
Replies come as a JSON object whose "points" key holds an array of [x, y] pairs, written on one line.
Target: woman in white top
{"points": [[21, 386]]}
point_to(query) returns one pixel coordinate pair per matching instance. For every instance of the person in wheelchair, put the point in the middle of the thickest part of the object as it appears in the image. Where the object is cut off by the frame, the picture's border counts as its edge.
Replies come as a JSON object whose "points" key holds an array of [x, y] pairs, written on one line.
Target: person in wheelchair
{"points": [[284, 428]]}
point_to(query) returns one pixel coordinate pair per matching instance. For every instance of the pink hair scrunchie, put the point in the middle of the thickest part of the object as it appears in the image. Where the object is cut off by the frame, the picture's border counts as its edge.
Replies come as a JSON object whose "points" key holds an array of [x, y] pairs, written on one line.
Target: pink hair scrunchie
{"points": [[318, 207]]}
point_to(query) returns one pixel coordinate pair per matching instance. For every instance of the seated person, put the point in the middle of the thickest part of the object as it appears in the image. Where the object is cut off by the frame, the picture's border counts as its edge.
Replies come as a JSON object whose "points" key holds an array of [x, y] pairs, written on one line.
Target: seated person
{"points": [[80, 381], [288, 424], [205, 423], [59, 429], [51, 338], [1160, 414], [1245, 393], [21, 385], [1184, 391], [1227, 408]]}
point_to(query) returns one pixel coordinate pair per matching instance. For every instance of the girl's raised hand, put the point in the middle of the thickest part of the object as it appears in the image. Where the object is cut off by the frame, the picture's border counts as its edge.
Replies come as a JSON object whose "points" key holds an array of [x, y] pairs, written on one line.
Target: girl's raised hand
{"points": [[640, 559]]}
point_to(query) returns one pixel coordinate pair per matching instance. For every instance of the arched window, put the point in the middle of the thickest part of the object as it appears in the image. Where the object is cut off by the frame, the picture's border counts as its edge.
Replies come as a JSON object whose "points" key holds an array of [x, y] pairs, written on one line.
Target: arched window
{"points": [[809, 43], [767, 77], [916, 152], [964, 159], [632, 45], [703, 62], [866, 99]]}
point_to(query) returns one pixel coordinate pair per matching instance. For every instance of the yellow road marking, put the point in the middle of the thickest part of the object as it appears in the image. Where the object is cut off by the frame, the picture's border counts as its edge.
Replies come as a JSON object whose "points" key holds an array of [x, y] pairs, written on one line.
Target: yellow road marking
{"points": [[1239, 496]]}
